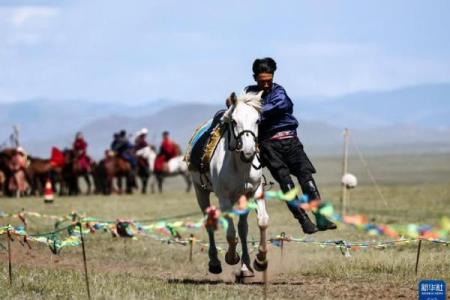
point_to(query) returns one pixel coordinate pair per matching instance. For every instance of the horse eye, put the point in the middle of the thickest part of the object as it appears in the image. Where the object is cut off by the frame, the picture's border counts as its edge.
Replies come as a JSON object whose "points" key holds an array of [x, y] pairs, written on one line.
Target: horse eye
{"points": [[258, 121]]}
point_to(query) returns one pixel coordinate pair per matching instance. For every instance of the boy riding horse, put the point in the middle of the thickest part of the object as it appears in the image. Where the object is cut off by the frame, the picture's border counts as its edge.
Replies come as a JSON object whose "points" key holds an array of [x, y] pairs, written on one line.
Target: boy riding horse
{"points": [[80, 149], [168, 150], [281, 150]]}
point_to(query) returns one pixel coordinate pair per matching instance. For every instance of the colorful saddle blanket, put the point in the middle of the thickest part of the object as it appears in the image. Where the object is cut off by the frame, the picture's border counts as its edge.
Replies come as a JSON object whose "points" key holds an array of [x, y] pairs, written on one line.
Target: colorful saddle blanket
{"points": [[203, 143]]}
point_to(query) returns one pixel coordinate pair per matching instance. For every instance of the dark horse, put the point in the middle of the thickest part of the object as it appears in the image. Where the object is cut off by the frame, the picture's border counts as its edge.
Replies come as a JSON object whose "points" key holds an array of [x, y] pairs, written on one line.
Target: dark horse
{"points": [[5, 156], [143, 172], [114, 167], [72, 170]]}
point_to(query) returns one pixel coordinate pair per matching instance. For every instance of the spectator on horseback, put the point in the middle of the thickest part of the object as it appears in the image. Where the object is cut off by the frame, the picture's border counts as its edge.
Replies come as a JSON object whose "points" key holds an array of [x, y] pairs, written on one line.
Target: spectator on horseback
{"points": [[140, 141], [115, 142], [122, 146], [167, 151], [80, 150], [168, 147], [281, 150], [17, 165]]}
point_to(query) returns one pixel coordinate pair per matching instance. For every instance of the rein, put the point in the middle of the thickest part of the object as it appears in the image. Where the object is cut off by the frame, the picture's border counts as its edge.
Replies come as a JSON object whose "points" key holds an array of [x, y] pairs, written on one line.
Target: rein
{"points": [[238, 146]]}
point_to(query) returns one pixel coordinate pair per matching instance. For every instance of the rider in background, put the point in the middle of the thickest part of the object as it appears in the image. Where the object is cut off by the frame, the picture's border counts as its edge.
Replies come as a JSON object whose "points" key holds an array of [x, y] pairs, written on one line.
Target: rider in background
{"points": [[168, 147], [140, 141], [80, 149], [122, 146], [18, 164], [167, 151], [281, 150]]}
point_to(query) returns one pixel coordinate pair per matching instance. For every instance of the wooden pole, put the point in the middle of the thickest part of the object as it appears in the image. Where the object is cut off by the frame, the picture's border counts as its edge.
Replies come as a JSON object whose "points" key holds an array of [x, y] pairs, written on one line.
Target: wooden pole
{"points": [[265, 278], [191, 246], [84, 261], [418, 255], [344, 171], [283, 235], [9, 258], [16, 136]]}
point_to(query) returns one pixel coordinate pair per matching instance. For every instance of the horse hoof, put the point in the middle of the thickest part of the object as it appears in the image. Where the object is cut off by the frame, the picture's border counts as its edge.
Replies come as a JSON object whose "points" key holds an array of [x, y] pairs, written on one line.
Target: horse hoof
{"points": [[260, 267], [229, 260], [215, 269]]}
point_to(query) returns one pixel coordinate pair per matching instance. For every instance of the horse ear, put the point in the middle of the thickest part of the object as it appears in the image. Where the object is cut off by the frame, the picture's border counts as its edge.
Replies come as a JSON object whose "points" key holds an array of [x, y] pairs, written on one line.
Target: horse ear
{"points": [[260, 95], [233, 98]]}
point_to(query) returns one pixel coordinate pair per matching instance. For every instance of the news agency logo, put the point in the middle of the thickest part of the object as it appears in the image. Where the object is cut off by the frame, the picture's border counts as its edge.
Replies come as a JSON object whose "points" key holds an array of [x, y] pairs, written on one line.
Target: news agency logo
{"points": [[432, 290]]}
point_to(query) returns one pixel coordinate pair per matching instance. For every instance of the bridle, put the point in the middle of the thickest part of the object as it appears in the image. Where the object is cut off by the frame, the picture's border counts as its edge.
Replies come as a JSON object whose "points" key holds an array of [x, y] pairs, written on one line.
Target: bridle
{"points": [[238, 146]]}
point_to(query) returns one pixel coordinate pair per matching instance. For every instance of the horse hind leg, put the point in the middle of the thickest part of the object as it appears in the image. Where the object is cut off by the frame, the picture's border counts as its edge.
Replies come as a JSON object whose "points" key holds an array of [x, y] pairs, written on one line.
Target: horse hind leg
{"points": [[214, 264], [129, 184], [88, 183], [187, 178], [159, 179], [144, 185]]}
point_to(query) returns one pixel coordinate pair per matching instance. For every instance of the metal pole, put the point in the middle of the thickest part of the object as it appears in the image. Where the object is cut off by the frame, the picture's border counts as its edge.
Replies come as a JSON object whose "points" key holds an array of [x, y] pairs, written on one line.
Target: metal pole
{"points": [[84, 261], [344, 171]]}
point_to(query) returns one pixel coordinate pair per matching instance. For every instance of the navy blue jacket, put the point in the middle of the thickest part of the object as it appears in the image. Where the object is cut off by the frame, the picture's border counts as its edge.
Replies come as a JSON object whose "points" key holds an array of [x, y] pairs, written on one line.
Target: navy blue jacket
{"points": [[277, 111]]}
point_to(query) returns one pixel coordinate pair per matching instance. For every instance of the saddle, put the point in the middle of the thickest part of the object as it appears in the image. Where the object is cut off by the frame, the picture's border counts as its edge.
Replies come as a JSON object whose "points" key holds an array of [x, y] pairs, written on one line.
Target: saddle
{"points": [[203, 144]]}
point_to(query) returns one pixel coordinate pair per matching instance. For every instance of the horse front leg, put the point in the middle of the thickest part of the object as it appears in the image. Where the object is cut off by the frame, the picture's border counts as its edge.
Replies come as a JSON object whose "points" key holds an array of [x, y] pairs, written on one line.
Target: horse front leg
{"points": [[214, 265], [88, 182], [160, 178], [231, 257], [129, 184], [261, 263], [246, 270], [144, 185], [119, 185]]}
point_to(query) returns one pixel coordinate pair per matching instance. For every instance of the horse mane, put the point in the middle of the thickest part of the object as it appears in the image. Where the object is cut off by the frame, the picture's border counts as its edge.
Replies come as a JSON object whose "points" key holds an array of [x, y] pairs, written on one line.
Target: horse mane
{"points": [[252, 99]]}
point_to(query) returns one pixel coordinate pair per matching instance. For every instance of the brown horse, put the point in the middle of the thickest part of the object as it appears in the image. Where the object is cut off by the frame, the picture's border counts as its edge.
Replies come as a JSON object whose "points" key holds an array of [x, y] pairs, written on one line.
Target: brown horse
{"points": [[5, 156], [2, 181], [112, 167], [12, 165], [39, 170]]}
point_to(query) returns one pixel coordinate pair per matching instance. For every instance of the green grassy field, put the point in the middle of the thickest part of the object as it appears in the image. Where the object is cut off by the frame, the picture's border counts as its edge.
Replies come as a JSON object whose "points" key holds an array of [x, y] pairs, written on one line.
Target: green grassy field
{"points": [[417, 189]]}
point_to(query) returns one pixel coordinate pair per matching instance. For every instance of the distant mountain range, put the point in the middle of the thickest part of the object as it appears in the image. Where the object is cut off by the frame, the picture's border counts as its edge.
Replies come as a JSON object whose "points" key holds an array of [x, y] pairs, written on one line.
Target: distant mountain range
{"points": [[420, 106], [410, 119], [41, 119]]}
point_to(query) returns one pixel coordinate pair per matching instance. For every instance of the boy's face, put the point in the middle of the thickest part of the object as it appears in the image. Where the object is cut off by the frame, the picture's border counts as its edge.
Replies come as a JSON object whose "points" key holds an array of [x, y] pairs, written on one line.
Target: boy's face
{"points": [[264, 81]]}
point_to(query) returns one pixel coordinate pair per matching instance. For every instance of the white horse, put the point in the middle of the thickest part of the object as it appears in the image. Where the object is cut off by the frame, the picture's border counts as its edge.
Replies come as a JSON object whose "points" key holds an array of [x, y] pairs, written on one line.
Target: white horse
{"points": [[235, 173], [175, 166], [148, 154]]}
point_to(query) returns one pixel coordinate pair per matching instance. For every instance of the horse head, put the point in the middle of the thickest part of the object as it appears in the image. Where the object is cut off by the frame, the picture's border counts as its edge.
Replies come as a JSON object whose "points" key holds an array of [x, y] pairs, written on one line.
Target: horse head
{"points": [[243, 118]]}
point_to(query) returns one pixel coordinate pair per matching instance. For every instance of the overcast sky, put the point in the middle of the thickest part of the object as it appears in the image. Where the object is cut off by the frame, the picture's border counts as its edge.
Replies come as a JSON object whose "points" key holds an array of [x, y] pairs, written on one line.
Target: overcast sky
{"points": [[137, 51]]}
